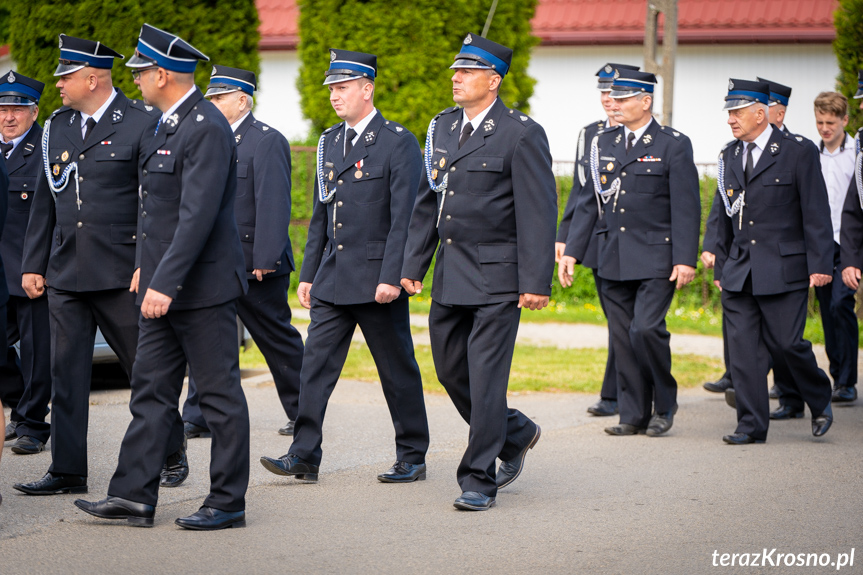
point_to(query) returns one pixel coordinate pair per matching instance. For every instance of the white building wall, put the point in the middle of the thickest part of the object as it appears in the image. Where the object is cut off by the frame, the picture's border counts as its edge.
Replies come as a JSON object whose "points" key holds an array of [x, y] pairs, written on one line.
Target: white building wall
{"points": [[565, 97], [277, 101]]}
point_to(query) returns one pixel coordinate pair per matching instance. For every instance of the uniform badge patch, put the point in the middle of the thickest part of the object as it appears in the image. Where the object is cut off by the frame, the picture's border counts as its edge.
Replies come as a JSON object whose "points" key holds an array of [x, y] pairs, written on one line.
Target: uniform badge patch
{"points": [[454, 124], [434, 174], [488, 125], [603, 178], [730, 192], [799, 138], [56, 170], [64, 156], [399, 129], [238, 137], [442, 162], [369, 136], [774, 147], [117, 115], [617, 139], [610, 166], [647, 138], [523, 118], [265, 128], [24, 195], [199, 117], [172, 120], [736, 151], [330, 176]]}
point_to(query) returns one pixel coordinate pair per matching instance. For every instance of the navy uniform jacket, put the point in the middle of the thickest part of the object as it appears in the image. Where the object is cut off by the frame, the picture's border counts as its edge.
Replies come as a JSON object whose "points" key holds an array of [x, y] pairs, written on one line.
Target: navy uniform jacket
{"points": [[497, 224], [786, 232], [92, 248], [851, 229], [4, 200], [189, 248], [347, 257], [579, 179], [24, 166], [654, 223], [263, 206]]}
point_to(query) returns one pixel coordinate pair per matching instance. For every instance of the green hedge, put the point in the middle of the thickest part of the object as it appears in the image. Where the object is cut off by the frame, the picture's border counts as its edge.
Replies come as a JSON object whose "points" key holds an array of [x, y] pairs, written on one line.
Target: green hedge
{"points": [[848, 47], [226, 31]]}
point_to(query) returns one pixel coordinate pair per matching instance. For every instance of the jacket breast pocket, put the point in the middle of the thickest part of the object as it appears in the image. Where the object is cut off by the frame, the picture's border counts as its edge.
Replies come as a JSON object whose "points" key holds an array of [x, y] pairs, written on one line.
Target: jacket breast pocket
{"points": [[777, 188], [161, 181], [794, 265], [483, 174], [21, 189], [499, 267], [109, 174], [369, 187], [648, 177]]}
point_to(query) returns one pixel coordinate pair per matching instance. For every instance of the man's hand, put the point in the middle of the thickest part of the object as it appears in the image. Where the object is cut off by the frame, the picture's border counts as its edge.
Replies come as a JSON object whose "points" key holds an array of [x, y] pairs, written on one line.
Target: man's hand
{"points": [[565, 270], [303, 294], [818, 280], [413, 287], [136, 277], [716, 283], [261, 273], [155, 304], [558, 251], [851, 277], [33, 284], [387, 293], [683, 274], [708, 259], [532, 301]]}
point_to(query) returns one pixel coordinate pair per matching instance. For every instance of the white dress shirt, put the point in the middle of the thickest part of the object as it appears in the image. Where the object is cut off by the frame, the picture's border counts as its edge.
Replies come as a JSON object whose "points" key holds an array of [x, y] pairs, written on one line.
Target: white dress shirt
{"points": [[837, 167], [99, 113]]}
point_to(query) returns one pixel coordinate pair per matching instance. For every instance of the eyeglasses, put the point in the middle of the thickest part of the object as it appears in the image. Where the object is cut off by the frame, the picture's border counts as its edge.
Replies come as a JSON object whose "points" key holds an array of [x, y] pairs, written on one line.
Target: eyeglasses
{"points": [[137, 72]]}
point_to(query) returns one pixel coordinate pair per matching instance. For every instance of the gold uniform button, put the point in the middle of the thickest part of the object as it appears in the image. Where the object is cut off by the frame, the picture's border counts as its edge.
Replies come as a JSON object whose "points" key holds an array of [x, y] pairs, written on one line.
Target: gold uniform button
{"points": [[623, 174], [134, 237], [81, 157], [80, 224], [448, 218], [179, 288], [339, 226], [449, 241], [452, 169], [622, 192], [623, 229], [80, 178], [340, 247], [143, 236], [340, 182], [753, 242], [622, 211], [452, 193], [340, 204], [751, 223]]}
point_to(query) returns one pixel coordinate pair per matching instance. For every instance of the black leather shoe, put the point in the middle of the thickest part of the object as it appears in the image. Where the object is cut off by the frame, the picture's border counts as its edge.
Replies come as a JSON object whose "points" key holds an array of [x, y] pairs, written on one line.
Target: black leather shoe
{"points": [[843, 394], [54, 484], [137, 514], [786, 412], [740, 439], [403, 472], [176, 468], [288, 429], [822, 423], [27, 445], [731, 398], [720, 385], [625, 429], [603, 408], [290, 464], [210, 519], [474, 501], [192, 431], [660, 423], [774, 392], [510, 470], [10, 431]]}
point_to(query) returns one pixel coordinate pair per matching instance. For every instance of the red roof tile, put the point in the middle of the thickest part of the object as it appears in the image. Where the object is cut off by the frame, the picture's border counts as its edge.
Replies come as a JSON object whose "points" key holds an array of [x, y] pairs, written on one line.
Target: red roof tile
{"points": [[584, 22]]}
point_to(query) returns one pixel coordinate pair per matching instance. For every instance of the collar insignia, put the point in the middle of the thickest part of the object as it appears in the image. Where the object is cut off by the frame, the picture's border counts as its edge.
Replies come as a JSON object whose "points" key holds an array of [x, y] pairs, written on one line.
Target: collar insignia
{"points": [[369, 136], [617, 139], [488, 125], [774, 147], [647, 138]]}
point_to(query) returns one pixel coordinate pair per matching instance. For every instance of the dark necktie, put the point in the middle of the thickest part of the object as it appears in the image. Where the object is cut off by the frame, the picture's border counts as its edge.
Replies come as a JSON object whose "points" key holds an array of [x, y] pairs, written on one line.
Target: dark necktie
{"points": [[5, 148], [630, 141], [465, 134], [750, 163], [349, 140], [90, 124]]}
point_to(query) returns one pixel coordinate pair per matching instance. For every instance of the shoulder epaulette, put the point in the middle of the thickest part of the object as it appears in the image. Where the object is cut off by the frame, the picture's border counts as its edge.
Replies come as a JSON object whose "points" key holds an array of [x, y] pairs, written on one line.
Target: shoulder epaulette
{"points": [[729, 144], [266, 128], [331, 128], [447, 111], [144, 107], [669, 131], [59, 111], [794, 137], [520, 117], [395, 127]]}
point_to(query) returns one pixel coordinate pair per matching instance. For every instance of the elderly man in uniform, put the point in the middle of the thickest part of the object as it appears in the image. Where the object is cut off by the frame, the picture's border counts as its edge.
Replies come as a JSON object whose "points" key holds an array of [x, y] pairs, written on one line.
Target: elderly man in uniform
{"points": [[80, 248], [4, 294], [607, 404], [190, 274], [368, 174], [26, 319], [648, 244], [263, 212], [767, 256], [487, 207]]}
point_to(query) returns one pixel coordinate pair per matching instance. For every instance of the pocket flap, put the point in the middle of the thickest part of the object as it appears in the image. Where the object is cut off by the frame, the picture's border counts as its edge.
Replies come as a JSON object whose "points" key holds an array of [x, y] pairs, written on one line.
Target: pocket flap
{"points": [[658, 237], [372, 172], [498, 253], [484, 164], [161, 164], [780, 179], [375, 250], [243, 170], [123, 233], [113, 153], [22, 183], [647, 168], [792, 248], [247, 233]]}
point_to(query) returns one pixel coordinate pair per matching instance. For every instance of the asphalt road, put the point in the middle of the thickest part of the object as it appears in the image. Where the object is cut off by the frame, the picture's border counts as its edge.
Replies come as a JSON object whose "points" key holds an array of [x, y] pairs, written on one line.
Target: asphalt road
{"points": [[586, 502]]}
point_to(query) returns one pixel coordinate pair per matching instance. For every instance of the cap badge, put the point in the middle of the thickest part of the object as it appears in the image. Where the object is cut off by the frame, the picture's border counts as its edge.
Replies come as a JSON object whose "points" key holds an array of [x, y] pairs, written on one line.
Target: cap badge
{"points": [[616, 74], [61, 42], [608, 69], [730, 85], [468, 39], [214, 71], [774, 147], [332, 56], [647, 138], [11, 78]]}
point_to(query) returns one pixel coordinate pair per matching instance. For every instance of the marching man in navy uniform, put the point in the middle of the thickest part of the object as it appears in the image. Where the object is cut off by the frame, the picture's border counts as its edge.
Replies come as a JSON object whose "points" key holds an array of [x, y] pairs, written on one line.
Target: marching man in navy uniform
{"points": [[190, 274], [80, 248], [645, 188], [368, 175], [607, 404], [26, 319], [487, 206], [777, 106], [768, 255], [263, 211]]}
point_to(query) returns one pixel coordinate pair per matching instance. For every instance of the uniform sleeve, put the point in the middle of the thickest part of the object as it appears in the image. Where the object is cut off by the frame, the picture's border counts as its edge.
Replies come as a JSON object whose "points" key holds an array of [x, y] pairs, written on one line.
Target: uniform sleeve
{"points": [[722, 235], [272, 171], [708, 244], [316, 240], [207, 158], [583, 221], [685, 204], [535, 197], [569, 210], [851, 230], [815, 204], [40, 227], [405, 171], [423, 236]]}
